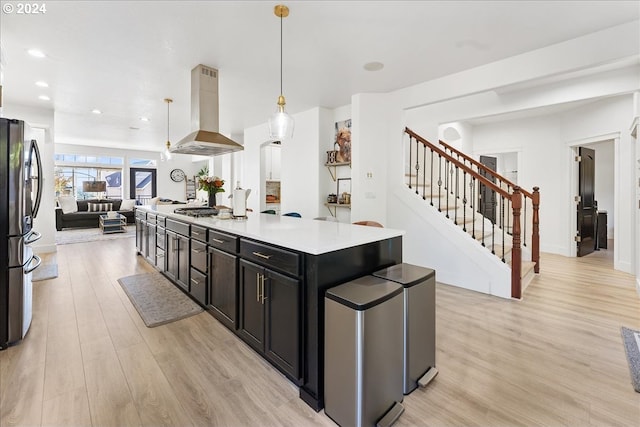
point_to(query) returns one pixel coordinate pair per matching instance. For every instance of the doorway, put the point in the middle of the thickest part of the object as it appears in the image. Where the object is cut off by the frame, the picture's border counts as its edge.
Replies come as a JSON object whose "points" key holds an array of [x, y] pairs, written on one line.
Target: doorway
{"points": [[593, 197], [142, 185]]}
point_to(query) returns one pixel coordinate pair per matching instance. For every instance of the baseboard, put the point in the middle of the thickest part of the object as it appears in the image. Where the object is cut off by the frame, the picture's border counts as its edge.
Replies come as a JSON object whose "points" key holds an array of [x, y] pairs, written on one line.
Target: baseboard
{"points": [[45, 249]]}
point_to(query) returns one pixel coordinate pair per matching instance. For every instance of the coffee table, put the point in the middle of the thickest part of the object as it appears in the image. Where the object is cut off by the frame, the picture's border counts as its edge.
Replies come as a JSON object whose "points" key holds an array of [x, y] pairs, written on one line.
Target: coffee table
{"points": [[113, 224]]}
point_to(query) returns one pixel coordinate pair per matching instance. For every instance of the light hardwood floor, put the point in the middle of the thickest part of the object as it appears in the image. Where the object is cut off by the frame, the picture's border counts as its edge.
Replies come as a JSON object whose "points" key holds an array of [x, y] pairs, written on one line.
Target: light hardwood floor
{"points": [[555, 358]]}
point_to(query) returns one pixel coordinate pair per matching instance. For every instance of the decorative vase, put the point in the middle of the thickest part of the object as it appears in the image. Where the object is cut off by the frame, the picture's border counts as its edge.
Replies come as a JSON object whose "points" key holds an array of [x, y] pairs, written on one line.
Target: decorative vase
{"points": [[212, 198]]}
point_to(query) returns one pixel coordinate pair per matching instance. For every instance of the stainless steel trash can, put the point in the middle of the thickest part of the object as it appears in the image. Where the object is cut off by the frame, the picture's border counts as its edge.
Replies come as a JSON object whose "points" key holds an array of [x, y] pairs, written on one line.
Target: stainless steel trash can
{"points": [[363, 351], [419, 323]]}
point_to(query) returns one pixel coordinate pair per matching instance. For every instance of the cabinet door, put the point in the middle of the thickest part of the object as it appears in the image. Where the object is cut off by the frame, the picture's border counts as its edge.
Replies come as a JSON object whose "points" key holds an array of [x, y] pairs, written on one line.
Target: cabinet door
{"points": [[151, 243], [199, 286], [282, 322], [171, 255], [251, 305], [139, 234], [183, 262], [223, 289]]}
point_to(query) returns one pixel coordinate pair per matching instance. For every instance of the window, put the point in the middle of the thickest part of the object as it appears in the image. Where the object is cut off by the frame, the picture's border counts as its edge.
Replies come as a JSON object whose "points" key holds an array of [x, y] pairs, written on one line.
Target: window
{"points": [[142, 163], [73, 169]]}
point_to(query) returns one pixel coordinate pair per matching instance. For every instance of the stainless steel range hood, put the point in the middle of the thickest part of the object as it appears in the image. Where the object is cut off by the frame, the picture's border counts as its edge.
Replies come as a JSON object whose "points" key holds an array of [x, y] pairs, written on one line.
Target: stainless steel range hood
{"points": [[205, 140]]}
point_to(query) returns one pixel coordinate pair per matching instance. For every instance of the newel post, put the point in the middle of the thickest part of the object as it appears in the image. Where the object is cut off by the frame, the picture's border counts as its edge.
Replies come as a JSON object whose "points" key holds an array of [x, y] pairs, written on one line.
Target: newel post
{"points": [[516, 252], [535, 237]]}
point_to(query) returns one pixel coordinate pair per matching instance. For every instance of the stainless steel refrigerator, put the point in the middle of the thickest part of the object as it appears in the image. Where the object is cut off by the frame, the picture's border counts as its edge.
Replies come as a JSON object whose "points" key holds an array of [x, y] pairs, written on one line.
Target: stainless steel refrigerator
{"points": [[20, 194]]}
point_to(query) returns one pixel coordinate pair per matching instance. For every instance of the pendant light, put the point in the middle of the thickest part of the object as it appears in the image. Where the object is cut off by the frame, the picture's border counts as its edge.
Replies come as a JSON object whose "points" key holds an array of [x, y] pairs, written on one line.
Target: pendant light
{"points": [[167, 152], [281, 123]]}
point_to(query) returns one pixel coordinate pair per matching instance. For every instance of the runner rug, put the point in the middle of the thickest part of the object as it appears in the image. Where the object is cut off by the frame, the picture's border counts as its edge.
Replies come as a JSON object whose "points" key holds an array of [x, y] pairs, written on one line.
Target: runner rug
{"points": [[157, 300], [631, 341]]}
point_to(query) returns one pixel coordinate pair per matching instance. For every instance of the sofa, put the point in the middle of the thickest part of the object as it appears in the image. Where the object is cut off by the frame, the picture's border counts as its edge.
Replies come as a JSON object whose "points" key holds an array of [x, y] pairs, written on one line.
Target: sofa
{"points": [[82, 215]]}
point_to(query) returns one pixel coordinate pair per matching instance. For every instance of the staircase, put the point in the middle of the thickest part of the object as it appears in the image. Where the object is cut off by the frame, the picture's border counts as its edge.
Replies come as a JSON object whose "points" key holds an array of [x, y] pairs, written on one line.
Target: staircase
{"points": [[493, 211]]}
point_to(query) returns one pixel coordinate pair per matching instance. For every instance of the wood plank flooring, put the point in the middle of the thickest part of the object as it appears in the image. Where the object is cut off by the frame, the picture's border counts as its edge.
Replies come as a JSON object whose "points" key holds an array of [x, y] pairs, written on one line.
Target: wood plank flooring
{"points": [[554, 358]]}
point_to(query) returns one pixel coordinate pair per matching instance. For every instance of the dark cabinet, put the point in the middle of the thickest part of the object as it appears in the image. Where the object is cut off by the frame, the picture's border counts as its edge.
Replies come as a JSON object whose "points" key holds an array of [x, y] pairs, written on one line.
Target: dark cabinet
{"points": [[198, 270], [150, 252], [270, 316], [223, 287], [177, 256], [198, 286], [160, 248]]}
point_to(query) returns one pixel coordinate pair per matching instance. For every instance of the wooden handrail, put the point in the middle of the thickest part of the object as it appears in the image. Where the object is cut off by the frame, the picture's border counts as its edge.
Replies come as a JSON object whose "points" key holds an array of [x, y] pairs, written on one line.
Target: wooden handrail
{"points": [[483, 167], [459, 164]]}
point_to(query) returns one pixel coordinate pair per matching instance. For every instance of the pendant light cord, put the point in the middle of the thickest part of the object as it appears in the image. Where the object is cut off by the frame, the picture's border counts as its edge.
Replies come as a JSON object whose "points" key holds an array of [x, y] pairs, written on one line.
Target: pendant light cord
{"points": [[168, 121], [280, 53]]}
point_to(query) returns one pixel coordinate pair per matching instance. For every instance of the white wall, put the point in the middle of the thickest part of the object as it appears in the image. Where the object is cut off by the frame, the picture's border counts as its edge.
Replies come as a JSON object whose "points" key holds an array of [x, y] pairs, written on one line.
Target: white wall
{"points": [[166, 188], [43, 120]]}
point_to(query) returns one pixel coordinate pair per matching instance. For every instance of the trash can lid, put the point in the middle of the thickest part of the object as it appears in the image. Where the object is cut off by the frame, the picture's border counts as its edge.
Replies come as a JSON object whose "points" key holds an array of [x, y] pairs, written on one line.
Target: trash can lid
{"points": [[406, 274], [364, 293]]}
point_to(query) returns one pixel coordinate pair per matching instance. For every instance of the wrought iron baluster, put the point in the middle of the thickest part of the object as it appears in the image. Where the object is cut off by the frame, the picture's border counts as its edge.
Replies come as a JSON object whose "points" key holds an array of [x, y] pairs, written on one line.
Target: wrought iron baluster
{"points": [[502, 220], [473, 209], [464, 201], [439, 183], [509, 210], [417, 167], [424, 175], [482, 215], [431, 181], [493, 224], [447, 168], [455, 199]]}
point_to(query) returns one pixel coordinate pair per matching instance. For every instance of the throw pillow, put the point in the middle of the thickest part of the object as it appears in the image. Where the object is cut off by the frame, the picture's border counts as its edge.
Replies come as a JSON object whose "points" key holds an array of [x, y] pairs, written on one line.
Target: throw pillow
{"points": [[127, 205], [100, 207], [154, 201], [68, 204]]}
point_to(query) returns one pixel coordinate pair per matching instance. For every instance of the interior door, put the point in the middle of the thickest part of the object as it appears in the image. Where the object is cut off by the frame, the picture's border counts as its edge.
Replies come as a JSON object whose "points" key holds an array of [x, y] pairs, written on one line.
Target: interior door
{"points": [[487, 205], [142, 185], [587, 204]]}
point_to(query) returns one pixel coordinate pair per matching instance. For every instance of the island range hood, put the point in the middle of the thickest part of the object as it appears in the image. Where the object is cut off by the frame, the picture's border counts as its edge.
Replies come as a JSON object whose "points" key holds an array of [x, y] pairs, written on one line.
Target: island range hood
{"points": [[205, 140]]}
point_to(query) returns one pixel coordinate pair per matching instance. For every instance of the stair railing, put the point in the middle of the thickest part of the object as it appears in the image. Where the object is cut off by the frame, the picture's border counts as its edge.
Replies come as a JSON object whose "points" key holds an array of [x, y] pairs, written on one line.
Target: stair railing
{"points": [[457, 183], [533, 198]]}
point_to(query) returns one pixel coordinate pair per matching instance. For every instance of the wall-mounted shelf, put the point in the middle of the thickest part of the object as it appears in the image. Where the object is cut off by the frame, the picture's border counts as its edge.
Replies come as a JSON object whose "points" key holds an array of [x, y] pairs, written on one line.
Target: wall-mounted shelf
{"points": [[334, 166], [335, 206]]}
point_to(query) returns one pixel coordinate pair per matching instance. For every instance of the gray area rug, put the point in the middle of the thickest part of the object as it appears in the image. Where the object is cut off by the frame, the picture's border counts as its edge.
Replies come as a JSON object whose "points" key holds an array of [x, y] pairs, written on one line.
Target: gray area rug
{"points": [[82, 235], [631, 341], [45, 272], [157, 299]]}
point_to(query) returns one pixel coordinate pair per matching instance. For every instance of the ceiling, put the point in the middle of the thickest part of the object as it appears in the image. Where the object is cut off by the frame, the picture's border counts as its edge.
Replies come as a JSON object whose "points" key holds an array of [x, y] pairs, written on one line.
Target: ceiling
{"points": [[125, 57]]}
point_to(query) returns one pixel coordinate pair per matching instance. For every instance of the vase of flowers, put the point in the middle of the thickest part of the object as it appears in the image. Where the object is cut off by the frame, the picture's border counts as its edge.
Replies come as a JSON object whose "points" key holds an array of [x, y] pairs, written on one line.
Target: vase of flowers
{"points": [[212, 185]]}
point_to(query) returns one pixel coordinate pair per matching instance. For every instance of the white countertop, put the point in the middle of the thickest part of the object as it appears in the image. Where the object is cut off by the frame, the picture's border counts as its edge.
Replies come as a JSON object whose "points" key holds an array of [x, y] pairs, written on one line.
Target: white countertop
{"points": [[301, 234]]}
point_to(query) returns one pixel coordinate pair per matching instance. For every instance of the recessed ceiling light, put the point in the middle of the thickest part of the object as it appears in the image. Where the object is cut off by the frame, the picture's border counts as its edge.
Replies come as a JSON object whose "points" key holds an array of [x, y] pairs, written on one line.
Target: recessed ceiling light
{"points": [[36, 53], [144, 119], [96, 111], [133, 128], [44, 98], [42, 84], [373, 66]]}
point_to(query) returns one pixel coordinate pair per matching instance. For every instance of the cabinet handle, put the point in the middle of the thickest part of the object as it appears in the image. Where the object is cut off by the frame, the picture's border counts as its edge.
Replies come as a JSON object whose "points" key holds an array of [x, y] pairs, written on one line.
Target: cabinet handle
{"points": [[194, 281], [160, 255], [218, 240], [262, 255], [195, 232], [197, 251], [258, 287], [263, 297]]}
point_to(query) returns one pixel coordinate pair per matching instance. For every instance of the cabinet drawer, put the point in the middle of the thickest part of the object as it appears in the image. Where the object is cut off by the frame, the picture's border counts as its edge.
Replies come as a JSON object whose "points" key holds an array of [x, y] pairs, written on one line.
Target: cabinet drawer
{"points": [[141, 214], [160, 220], [198, 233], [271, 257], [178, 227], [225, 242], [199, 286], [160, 237], [151, 218], [199, 255]]}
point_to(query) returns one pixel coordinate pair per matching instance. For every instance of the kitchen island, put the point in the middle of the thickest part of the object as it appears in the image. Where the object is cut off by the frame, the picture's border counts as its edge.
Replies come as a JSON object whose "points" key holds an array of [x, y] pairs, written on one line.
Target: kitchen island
{"points": [[265, 277]]}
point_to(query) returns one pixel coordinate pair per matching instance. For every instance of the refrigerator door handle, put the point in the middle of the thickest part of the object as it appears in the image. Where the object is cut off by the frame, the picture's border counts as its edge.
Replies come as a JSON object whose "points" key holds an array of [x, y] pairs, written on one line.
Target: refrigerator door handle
{"points": [[32, 267], [35, 152], [34, 236]]}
